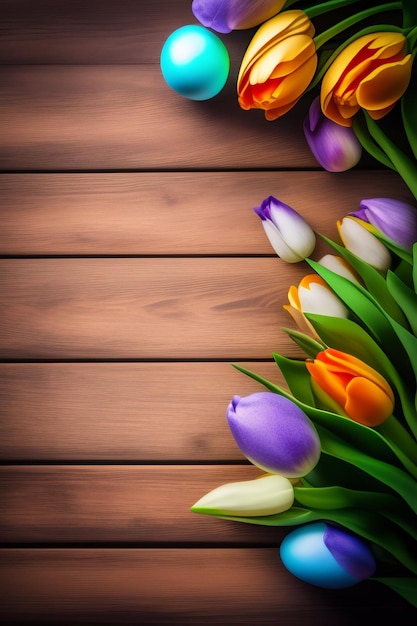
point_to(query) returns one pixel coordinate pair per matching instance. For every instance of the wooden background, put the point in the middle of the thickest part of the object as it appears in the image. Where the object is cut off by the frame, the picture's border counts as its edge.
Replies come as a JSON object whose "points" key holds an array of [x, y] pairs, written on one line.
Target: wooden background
{"points": [[133, 272]]}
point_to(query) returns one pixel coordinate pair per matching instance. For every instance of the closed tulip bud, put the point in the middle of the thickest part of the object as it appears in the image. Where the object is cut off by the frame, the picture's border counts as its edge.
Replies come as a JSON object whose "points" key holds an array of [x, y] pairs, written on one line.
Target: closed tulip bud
{"points": [[340, 266], [278, 64], [224, 16], [289, 234], [313, 295], [326, 556], [274, 434], [391, 218], [371, 73], [363, 244], [360, 391], [267, 495], [335, 147]]}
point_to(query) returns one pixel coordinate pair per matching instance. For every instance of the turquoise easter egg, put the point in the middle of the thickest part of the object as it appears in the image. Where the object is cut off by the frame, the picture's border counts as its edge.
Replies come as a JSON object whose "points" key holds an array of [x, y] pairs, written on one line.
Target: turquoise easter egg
{"points": [[195, 62], [326, 556]]}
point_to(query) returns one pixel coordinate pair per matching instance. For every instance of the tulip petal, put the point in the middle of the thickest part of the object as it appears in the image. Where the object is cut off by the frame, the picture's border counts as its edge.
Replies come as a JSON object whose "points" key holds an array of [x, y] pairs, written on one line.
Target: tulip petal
{"points": [[385, 85], [279, 245], [339, 266], [295, 231], [363, 244], [274, 434], [319, 298], [224, 16], [366, 403], [266, 495], [393, 218], [372, 72]]}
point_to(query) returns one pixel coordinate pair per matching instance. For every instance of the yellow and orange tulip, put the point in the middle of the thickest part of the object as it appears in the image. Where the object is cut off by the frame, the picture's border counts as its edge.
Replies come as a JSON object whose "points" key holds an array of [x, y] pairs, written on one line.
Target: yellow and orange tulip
{"points": [[278, 64], [361, 392], [371, 73]]}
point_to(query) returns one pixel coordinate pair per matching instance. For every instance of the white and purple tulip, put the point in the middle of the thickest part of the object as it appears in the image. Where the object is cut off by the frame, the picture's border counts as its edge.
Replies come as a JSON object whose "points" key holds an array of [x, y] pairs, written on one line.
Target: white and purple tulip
{"points": [[224, 16], [335, 147], [395, 219], [289, 234], [359, 240], [326, 556], [274, 434]]}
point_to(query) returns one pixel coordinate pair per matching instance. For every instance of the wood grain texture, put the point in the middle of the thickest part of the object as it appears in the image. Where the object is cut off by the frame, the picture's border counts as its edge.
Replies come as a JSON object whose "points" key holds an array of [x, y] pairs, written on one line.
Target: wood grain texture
{"points": [[95, 32], [122, 411], [106, 32], [187, 308], [144, 505], [235, 586], [170, 213], [55, 117], [133, 272]]}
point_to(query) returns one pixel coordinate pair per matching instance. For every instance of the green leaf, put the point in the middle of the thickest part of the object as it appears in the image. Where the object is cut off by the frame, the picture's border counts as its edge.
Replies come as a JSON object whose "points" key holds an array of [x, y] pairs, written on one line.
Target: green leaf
{"points": [[409, 19], [374, 281], [367, 142], [406, 167], [367, 524], [335, 497], [405, 587], [370, 313], [406, 298], [391, 476], [332, 471], [415, 266], [349, 337], [409, 342], [297, 377], [404, 271], [359, 301], [310, 346]]}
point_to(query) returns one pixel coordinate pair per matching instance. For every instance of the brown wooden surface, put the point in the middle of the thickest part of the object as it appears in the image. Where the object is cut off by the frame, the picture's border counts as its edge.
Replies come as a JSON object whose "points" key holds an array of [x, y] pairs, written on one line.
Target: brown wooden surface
{"points": [[133, 271]]}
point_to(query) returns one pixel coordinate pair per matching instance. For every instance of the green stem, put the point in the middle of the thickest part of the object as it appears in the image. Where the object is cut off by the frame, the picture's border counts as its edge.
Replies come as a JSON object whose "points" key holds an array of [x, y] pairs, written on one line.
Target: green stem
{"points": [[409, 8], [412, 39], [401, 443], [369, 144], [349, 21], [325, 7], [405, 167]]}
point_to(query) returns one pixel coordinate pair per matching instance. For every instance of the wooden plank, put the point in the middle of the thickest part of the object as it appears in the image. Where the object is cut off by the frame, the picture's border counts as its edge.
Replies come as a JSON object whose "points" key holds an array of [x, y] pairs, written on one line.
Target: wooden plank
{"points": [[187, 587], [98, 32], [121, 411], [170, 212], [114, 117], [145, 505], [125, 308], [103, 31]]}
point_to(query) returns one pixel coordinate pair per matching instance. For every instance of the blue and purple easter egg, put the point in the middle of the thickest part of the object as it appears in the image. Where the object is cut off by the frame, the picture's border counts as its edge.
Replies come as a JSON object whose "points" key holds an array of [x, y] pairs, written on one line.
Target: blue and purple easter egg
{"points": [[326, 556]]}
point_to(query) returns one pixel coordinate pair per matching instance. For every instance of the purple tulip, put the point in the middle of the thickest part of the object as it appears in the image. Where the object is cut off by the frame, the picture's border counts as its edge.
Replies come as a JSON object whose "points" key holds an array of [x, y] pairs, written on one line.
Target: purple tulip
{"points": [[335, 147], [326, 556], [395, 219], [289, 234], [274, 434], [224, 16]]}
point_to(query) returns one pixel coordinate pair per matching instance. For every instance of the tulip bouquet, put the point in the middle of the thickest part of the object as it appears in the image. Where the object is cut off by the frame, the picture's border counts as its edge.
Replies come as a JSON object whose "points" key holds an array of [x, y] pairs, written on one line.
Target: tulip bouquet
{"points": [[337, 445], [360, 79]]}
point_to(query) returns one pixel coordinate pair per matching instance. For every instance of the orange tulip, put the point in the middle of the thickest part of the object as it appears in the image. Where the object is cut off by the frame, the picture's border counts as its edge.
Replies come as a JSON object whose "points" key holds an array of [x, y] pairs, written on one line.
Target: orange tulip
{"points": [[371, 73], [278, 64], [362, 393]]}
